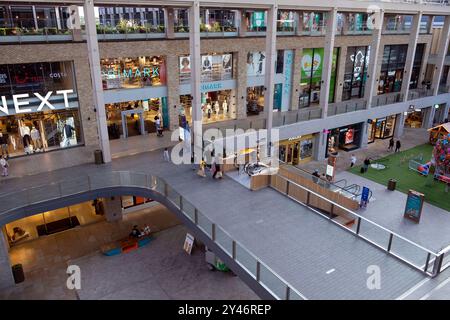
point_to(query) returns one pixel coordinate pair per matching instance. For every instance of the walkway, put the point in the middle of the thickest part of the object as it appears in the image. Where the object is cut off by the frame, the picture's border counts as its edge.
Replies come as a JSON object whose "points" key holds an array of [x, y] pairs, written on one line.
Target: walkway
{"points": [[319, 259]]}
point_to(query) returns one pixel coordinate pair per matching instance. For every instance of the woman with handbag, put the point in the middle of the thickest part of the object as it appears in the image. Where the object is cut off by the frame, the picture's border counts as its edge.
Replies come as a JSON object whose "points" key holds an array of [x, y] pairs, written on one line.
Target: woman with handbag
{"points": [[201, 170]]}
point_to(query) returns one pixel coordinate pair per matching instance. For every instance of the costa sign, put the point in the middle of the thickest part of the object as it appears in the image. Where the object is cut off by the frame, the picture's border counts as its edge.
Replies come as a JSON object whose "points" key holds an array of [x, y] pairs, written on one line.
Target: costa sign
{"points": [[21, 101]]}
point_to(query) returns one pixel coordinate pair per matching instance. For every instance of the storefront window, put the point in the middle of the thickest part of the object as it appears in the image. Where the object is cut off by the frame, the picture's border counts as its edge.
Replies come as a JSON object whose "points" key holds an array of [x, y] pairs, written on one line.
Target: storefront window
{"points": [[345, 138], [296, 150], [285, 21], [255, 20], [414, 119], [358, 22], [33, 20], [216, 20], [392, 68], [132, 118], [216, 106], [255, 99], [415, 74], [355, 75], [256, 63], [215, 67], [311, 76], [313, 22], [381, 128], [124, 73], [130, 20], [181, 22], [38, 107]]}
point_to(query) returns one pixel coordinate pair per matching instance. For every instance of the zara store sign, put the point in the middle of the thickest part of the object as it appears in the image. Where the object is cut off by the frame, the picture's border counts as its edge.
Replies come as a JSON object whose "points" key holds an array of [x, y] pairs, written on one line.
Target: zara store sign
{"points": [[26, 103]]}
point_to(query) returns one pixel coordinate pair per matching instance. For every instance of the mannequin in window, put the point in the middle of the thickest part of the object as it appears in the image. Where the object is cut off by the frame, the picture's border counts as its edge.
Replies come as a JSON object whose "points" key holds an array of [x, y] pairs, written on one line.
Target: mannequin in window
{"points": [[26, 138], [216, 107], [36, 138], [225, 106], [209, 110], [67, 134]]}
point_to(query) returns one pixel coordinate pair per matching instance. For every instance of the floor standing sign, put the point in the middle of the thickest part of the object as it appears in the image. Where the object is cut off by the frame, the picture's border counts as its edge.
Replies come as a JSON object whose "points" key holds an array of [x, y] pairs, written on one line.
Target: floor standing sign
{"points": [[414, 204], [188, 243], [364, 197]]}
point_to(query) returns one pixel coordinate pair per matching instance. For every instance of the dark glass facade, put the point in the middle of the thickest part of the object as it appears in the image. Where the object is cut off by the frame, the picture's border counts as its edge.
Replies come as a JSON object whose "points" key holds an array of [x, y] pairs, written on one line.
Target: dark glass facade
{"points": [[356, 64], [392, 68]]}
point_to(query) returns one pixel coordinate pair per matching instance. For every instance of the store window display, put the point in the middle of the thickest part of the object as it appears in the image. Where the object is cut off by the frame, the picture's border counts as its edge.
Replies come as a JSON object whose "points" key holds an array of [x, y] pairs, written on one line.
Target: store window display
{"points": [[392, 68], [125, 73], [382, 128], [346, 138], [49, 92], [216, 106], [296, 150], [311, 76], [414, 119], [356, 65]]}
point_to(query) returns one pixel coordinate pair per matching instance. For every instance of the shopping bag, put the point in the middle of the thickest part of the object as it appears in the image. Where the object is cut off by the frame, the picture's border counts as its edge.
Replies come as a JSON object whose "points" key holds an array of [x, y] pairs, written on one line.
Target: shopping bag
{"points": [[201, 173], [219, 174]]}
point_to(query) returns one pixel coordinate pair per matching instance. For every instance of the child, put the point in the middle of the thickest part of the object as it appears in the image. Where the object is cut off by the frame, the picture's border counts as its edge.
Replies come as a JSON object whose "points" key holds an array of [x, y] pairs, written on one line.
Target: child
{"points": [[166, 155], [4, 165]]}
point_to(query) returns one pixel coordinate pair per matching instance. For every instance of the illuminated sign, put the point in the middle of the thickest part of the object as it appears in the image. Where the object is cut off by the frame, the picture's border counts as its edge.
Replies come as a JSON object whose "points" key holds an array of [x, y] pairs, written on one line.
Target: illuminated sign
{"points": [[130, 73], [22, 100], [210, 86]]}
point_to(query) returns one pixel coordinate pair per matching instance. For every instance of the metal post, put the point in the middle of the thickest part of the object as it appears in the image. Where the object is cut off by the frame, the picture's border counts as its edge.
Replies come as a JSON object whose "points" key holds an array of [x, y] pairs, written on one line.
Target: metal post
{"points": [[426, 263], [213, 232], [308, 195], [287, 187], [258, 271], [166, 189], [288, 292], [196, 216], [233, 249], [391, 236], [358, 225], [437, 265], [181, 203], [331, 211]]}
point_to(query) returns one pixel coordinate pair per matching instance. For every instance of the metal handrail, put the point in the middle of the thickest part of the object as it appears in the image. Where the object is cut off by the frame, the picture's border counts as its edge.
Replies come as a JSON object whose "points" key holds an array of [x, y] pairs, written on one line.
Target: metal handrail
{"points": [[437, 257], [151, 182]]}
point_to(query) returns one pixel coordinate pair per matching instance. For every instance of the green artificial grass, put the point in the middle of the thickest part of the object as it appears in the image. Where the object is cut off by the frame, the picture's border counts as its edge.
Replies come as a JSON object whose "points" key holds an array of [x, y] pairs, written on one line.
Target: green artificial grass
{"points": [[397, 168]]}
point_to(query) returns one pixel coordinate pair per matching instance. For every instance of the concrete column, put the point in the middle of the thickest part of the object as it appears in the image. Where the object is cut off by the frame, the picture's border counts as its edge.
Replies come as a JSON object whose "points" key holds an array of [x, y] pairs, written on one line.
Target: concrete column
{"points": [[441, 53], [429, 117], [372, 81], [327, 60], [445, 111], [320, 144], [240, 65], [271, 56], [6, 277], [430, 24], [298, 23], [340, 74], [173, 91], [36, 26], [241, 22], [169, 22], [113, 209], [412, 45], [423, 67], [364, 135], [194, 47], [74, 23], [296, 78], [97, 88], [399, 125]]}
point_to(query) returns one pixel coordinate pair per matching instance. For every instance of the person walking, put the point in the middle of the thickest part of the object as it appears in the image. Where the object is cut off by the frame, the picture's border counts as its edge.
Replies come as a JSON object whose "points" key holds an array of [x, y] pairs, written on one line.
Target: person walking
{"points": [[398, 145], [218, 170], [166, 155], [4, 164], [366, 165], [201, 170], [352, 160], [391, 144]]}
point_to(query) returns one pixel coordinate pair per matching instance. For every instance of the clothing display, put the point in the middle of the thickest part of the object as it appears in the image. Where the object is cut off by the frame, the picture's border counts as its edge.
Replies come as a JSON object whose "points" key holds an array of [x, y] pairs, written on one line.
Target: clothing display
{"points": [[36, 138], [216, 107], [225, 106]]}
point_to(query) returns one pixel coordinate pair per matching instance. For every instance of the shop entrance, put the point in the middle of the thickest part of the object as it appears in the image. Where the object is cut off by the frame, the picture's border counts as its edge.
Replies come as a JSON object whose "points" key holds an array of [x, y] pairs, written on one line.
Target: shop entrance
{"points": [[133, 123], [296, 150], [414, 119], [382, 128]]}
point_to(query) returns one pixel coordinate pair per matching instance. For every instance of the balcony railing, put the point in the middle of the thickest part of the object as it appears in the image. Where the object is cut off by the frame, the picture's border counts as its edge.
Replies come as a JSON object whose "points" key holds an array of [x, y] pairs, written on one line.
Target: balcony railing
{"points": [[419, 93], [346, 106], [388, 98], [134, 32], [249, 262], [427, 261], [16, 34]]}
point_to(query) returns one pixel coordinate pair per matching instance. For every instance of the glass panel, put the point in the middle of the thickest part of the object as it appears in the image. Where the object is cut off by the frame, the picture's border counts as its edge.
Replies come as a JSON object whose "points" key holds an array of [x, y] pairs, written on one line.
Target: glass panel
{"points": [[294, 296], [204, 224], [224, 241], [272, 282], [74, 186], [374, 233], [43, 193], [173, 196], [409, 252], [246, 260], [160, 185], [188, 209]]}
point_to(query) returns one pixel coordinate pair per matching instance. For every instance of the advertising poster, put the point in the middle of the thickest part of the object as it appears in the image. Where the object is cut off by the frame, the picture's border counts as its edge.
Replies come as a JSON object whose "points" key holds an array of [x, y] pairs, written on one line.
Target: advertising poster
{"points": [[257, 19], [127, 201], [349, 135], [256, 63], [414, 204], [312, 61], [188, 243], [227, 63], [364, 197], [206, 64], [185, 64]]}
